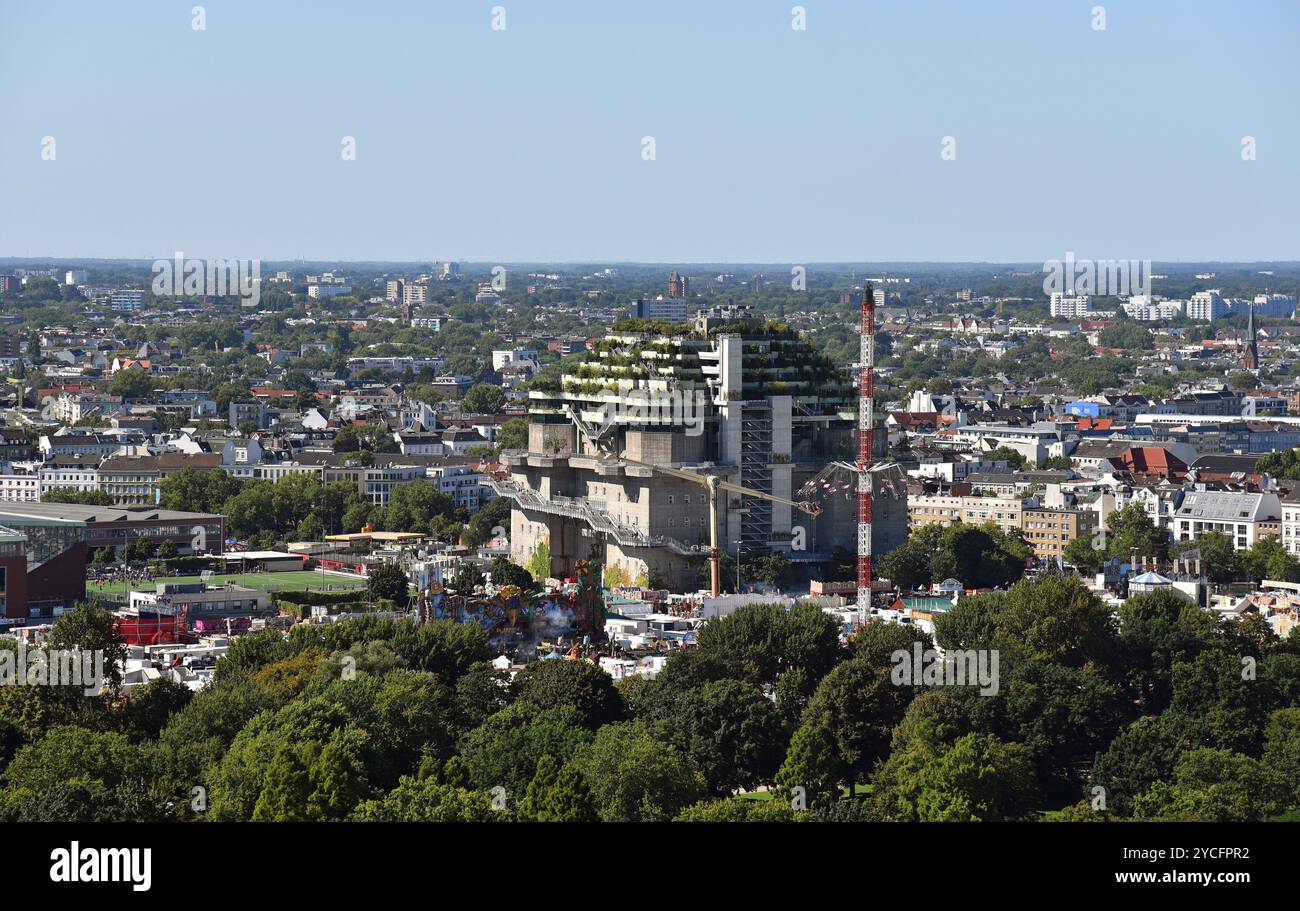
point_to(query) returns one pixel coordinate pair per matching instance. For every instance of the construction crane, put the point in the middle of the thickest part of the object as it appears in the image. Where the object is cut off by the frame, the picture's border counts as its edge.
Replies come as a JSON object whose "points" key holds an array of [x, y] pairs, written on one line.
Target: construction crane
{"points": [[712, 483], [866, 440], [863, 469]]}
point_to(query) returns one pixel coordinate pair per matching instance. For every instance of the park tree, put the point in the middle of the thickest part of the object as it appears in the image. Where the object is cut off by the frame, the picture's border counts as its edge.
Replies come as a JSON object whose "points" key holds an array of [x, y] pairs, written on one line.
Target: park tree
{"points": [[766, 639], [131, 383], [730, 730], [1063, 717], [1281, 757], [557, 794], [1140, 755], [1219, 559], [512, 434], [978, 779], [576, 684], [655, 698], [1216, 697], [633, 776], [1130, 531], [285, 788], [250, 653], [90, 628], [1156, 631], [483, 398], [972, 622], [1211, 785], [338, 781], [877, 641], [1056, 619], [506, 572], [388, 583], [77, 775], [810, 768], [426, 800], [858, 706], [466, 578], [148, 708], [480, 693], [506, 749]]}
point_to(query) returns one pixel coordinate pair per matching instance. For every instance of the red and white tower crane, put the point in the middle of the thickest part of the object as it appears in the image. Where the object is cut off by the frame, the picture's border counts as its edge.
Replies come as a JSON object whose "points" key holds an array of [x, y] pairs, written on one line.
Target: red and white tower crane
{"points": [[866, 441]]}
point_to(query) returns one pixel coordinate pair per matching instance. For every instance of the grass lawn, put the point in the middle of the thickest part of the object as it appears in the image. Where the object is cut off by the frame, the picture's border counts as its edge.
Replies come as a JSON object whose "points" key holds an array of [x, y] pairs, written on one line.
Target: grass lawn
{"points": [[272, 582]]}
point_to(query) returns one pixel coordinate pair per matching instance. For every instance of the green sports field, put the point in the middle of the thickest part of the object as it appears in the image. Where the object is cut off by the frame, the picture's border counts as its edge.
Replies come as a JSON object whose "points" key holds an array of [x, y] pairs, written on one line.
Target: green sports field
{"points": [[271, 582]]}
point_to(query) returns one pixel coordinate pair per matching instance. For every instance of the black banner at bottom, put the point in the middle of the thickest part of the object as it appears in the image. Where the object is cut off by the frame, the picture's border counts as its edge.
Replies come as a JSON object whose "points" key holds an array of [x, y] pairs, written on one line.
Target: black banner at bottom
{"points": [[330, 859]]}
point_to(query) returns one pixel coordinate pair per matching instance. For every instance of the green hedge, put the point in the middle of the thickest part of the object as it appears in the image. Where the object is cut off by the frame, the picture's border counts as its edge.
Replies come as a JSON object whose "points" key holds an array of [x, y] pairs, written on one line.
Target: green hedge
{"points": [[303, 611], [307, 597]]}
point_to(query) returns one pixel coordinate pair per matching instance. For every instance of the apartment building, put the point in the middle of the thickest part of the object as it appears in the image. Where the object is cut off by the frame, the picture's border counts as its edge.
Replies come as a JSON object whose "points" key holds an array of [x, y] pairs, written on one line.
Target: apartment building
{"points": [[68, 472], [16, 445], [73, 409], [1276, 305], [1207, 305], [936, 509], [1290, 523], [1036, 443], [1243, 517], [413, 294], [255, 413], [1070, 306], [377, 483], [1050, 531], [20, 487], [463, 483], [670, 310], [322, 290], [515, 356], [135, 480]]}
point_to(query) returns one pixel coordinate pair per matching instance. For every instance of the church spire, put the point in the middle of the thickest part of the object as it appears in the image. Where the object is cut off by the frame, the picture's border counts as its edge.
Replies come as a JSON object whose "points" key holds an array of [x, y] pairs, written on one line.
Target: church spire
{"points": [[1251, 360]]}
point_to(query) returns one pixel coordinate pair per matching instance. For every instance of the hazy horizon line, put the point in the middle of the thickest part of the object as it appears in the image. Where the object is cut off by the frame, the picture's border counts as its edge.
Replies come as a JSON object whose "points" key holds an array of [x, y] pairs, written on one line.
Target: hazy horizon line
{"points": [[648, 263]]}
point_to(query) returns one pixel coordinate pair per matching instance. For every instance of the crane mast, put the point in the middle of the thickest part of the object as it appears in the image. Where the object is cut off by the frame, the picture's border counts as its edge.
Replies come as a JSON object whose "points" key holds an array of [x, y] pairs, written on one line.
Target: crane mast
{"points": [[866, 435]]}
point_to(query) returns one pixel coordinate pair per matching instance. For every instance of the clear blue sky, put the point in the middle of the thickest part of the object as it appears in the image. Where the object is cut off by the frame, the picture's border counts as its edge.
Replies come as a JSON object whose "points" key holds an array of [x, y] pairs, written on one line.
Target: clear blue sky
{"points": [[772, 145]]}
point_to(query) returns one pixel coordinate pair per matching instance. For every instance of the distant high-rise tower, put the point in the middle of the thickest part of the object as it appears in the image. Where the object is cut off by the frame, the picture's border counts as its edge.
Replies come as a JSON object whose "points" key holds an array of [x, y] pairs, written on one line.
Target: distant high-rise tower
{"points": [[758, 281], [678, 285]]}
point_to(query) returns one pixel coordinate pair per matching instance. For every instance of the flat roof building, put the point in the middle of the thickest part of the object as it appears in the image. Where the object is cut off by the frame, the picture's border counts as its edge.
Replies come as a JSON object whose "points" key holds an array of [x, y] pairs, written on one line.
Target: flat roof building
{"points": [[118, 526]]}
